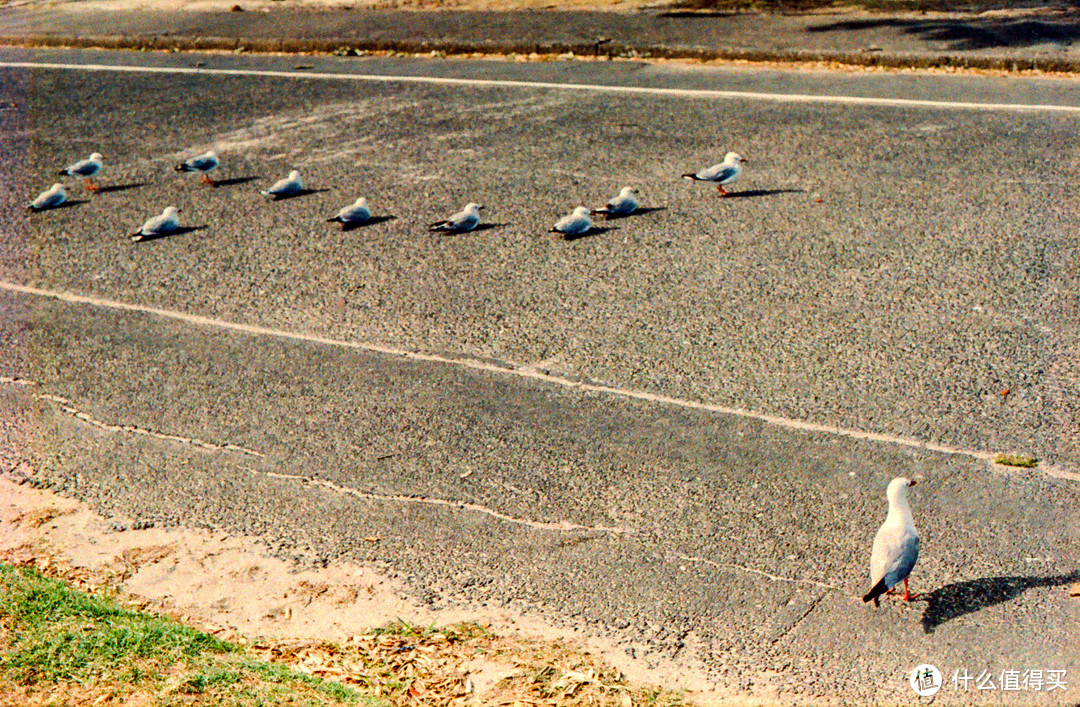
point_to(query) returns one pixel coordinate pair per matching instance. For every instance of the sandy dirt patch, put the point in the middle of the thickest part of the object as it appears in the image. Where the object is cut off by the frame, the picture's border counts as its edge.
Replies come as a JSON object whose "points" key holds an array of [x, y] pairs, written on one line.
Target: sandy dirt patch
{"points": [[233, 588]]}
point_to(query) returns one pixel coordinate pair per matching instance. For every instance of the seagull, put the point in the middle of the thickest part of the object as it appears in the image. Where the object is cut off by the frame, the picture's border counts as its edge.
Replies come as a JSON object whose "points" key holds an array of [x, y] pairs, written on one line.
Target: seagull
{"points": [[86, 169], [160, 225], [621, 205], [290, 186], [896, 545], [465, 220], [574, 223], [356, 212], [202, 164], [49, 199], [724, 173]]}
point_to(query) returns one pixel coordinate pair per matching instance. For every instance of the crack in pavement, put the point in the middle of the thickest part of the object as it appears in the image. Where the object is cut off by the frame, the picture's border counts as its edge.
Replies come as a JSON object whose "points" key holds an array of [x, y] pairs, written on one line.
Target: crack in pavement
{"points": [[762, 573], [68, 407], [561, 526], [528, 372]]}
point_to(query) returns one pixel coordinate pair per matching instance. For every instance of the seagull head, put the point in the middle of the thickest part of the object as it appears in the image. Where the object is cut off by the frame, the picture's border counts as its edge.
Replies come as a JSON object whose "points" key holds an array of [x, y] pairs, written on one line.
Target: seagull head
{"points": [[360, 201], [212, 154], [57, 187], [627, 191], [170, 211], [897, 491], [581, 211], [295, 174], [733, 158], [473, 207], [96, 157]]}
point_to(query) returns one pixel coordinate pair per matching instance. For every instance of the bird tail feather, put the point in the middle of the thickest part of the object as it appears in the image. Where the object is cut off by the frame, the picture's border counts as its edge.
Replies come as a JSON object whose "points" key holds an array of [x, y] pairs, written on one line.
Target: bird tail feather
{"points": [[876, 591]]}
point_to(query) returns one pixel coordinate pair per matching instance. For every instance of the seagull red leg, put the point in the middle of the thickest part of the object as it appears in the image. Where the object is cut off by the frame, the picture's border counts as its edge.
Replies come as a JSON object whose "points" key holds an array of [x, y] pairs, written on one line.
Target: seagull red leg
{"points": [[90, 186], [720, 188], [908, 596]]}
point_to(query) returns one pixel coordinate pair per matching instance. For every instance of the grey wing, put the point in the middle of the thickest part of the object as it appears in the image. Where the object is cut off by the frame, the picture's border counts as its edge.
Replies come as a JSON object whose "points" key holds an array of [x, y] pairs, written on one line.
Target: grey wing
{"points": [[902, 560], [716, 174], [202, 164]]}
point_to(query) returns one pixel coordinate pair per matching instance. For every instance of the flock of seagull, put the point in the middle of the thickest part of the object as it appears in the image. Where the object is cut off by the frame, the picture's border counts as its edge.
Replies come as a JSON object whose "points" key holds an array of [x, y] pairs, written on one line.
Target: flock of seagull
{"points": [[896, 545], [575, 223]]}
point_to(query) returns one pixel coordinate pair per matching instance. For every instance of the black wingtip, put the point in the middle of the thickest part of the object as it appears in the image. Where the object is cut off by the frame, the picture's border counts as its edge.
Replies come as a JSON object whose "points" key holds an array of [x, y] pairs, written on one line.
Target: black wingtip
{"points": [[333, 219], [690, 176], [181, 168], [876, 591], [62, 173]]}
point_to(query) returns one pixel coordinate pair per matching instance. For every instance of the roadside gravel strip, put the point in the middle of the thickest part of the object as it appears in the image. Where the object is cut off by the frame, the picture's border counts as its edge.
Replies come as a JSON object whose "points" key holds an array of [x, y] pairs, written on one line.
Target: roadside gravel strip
{"points": [[1031, 40]]}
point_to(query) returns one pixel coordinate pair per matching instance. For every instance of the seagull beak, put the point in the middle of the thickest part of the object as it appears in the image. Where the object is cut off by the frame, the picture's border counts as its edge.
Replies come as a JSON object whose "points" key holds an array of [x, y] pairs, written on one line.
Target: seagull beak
{"points": [[912, 482], [743, 159]]}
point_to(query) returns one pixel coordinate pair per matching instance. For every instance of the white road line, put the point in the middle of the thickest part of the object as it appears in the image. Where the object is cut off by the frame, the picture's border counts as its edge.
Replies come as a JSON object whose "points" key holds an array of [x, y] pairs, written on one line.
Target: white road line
{"points": [[597, 88], [519, 371]]}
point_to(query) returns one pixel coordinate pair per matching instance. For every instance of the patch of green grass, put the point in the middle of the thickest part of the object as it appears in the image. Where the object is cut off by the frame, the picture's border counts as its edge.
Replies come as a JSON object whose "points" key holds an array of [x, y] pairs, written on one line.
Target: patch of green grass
{"points": [[52, 635], [1017, 460]]}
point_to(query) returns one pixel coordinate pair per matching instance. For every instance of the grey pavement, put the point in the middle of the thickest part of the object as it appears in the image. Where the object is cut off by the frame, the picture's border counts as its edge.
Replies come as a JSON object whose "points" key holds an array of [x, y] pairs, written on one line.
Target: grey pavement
{"points": [[888, 268], [1038, 37]]}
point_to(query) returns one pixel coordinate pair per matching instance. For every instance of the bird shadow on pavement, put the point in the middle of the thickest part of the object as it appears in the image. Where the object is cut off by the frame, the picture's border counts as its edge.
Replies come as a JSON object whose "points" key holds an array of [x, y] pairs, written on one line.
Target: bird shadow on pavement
{"points": [[345, 227], [479, 227], [955, 600], [294, 195], [120, 187], [159, 236], [234, 181], [761, 192], [639, 211], [65, 205], [594, 231]]}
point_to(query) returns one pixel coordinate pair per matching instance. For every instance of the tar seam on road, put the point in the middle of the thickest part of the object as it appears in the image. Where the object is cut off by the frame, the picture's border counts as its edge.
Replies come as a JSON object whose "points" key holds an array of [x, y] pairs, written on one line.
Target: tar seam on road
{"points": [[773, 577], [69, 407], [505, 83], [561, 526], [520, 371]]}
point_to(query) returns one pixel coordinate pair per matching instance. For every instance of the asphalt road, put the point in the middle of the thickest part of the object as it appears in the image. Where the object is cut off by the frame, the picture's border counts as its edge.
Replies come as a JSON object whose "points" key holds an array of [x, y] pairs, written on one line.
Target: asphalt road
{"points": [[888, 269]]}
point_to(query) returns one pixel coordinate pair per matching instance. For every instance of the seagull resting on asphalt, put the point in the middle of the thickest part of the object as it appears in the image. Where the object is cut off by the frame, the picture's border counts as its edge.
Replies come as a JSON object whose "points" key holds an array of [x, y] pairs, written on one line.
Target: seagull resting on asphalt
{"points": [[356, 212], [290, 186], [896, 545], [465, 220], [85, 169], [574, 223], [621, 205], [202, 164], [163, 224], [726, 172], [49, 199]]}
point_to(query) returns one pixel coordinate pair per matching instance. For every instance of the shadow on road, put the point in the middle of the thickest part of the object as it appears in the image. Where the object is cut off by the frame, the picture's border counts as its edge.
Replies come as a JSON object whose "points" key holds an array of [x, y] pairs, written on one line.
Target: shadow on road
{"points": [[234, 181], [66, 205], [594, 231], [294, 195], [120, 187], [761, 192], [345, 227], [640, 211], [954, 600], [969, 34], [178, 232]]}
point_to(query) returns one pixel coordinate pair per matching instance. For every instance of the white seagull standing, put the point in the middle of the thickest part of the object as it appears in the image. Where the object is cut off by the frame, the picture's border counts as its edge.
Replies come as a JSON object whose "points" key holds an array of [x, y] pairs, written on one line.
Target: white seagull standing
{"points": [[202, 164], [896, 545], [726, 172], [356, 212], [290, 186], [49, 199], [163, 224], [85, 169], [574, 223], [465, 220], [622, 205]]}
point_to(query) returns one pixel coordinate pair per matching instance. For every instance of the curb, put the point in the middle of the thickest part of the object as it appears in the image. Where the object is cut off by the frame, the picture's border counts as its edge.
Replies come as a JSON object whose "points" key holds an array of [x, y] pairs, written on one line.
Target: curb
{"points": [[607, 50]]}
